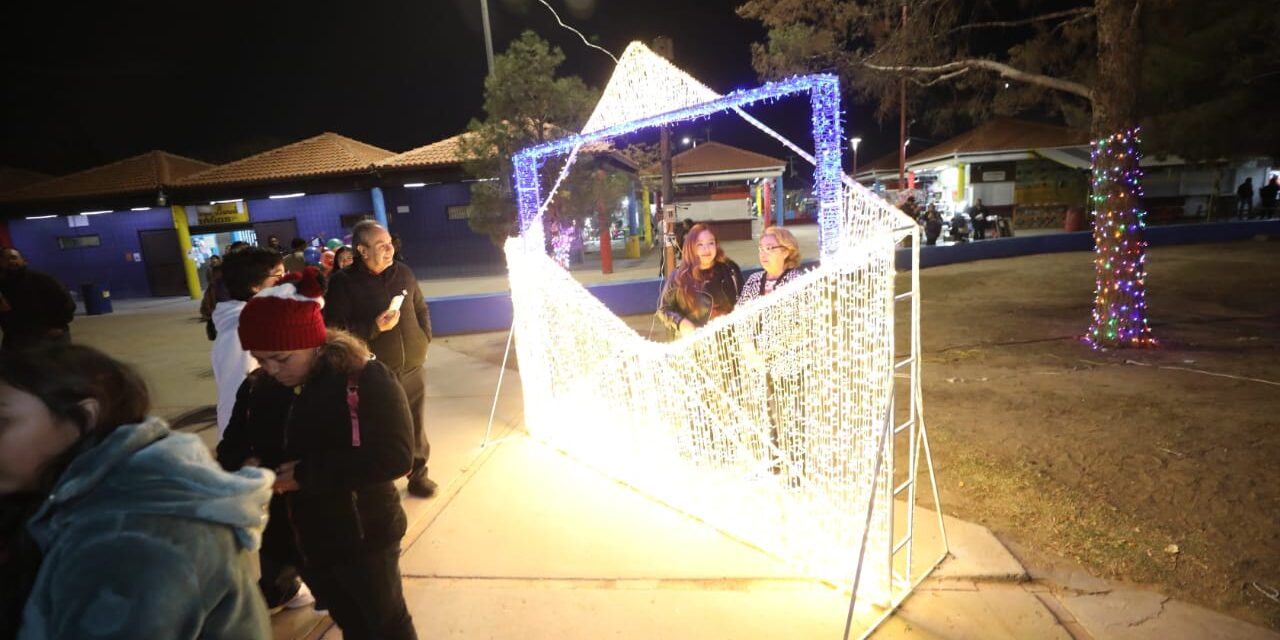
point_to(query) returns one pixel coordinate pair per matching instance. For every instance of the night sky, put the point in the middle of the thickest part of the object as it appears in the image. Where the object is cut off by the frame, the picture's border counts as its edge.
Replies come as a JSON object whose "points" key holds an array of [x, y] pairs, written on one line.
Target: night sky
{"points": [[216, 81]]}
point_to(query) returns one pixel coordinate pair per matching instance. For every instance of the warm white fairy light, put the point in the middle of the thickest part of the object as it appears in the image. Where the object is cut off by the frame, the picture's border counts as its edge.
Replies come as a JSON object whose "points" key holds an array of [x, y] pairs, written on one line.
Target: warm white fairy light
{"points": [[766, 423], [693, 422]]}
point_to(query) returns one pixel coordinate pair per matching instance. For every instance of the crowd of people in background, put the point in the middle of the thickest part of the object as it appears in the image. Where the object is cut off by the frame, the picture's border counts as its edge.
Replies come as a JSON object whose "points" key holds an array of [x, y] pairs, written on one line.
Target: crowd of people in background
{"points": [[320, 385], [1267, 199], [319, 361]]}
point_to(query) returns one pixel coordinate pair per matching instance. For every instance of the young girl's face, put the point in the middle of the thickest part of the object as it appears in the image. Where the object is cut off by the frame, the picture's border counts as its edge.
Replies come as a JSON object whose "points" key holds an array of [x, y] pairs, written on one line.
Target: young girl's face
{"points": [[289, 368], [30, 437], [704, 246]]}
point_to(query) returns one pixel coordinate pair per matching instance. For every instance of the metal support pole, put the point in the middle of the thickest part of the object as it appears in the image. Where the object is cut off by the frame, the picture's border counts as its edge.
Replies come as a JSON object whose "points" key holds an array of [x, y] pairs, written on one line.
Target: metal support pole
{"points": [[493, 411], [488, 35], [379, 207], [779, 208], [902, 124], [184, 245]]}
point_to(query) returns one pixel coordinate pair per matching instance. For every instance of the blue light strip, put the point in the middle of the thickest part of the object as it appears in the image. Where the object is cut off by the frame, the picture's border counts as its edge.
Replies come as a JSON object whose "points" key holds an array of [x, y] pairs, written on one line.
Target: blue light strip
{"points": [[827, 141], [825, 99]]}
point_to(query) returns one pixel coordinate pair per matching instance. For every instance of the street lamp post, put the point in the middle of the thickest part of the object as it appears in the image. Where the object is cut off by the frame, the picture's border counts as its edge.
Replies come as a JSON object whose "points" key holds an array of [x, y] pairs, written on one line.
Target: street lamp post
{"points": [[488, 35], [854, 142]]}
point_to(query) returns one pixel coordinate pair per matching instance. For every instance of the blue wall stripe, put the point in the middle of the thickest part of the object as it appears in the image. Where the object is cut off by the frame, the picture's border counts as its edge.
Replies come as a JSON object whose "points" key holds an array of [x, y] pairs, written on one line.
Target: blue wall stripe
{"points": [[492, 312]]}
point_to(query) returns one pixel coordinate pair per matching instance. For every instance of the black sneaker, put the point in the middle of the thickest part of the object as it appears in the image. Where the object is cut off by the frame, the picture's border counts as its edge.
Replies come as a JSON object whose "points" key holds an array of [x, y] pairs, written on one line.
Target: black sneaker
{"points": [[420, 486]]}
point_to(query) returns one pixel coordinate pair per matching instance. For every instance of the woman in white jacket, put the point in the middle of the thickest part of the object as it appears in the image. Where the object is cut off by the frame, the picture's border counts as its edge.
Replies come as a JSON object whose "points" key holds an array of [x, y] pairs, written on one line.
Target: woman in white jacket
{"points": [[244, 273]]}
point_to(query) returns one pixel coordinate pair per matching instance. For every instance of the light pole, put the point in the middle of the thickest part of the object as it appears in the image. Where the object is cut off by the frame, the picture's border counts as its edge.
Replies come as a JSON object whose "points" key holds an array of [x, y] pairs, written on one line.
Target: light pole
{"points": [[488, 36], [854, 142]]}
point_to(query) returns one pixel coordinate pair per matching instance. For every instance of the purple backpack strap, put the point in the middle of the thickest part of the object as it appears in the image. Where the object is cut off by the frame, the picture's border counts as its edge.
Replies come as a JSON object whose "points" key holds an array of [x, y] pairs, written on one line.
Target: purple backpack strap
{"points": [[353, 407]]}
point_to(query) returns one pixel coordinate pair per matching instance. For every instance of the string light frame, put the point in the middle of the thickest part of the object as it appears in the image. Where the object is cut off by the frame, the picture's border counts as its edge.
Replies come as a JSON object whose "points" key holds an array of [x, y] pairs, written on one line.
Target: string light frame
{"points": [[824, 96], [1119, 236], [776, 424]]}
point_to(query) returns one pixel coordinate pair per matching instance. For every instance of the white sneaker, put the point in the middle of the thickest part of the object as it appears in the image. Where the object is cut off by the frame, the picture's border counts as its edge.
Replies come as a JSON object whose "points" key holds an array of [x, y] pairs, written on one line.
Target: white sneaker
{"points": [[301, 599]]}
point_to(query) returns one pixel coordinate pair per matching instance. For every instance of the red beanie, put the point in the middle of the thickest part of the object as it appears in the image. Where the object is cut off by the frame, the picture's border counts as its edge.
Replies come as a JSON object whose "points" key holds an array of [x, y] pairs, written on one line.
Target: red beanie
{"points": [[285, 317]]}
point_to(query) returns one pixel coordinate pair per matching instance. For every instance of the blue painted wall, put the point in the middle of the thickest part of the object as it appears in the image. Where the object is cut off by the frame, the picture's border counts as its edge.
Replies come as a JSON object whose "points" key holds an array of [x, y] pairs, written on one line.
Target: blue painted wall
{"points": [[434, 245], [319, 214], [105, 264]]}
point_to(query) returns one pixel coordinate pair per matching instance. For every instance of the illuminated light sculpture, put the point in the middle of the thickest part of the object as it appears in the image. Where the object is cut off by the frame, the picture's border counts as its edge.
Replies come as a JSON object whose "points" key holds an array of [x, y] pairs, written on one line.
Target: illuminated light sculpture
{"points": [[1119, 236], [776, 423]]}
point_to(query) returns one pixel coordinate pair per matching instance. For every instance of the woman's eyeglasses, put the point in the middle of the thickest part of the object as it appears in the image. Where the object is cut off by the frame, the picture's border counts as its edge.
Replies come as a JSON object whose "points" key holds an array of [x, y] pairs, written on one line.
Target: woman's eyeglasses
{"points": [[775, 248]]}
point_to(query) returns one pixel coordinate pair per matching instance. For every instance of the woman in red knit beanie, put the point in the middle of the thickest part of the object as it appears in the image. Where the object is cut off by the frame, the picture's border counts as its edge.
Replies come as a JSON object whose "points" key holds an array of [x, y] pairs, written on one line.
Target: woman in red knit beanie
{"points": [[335, 425]]}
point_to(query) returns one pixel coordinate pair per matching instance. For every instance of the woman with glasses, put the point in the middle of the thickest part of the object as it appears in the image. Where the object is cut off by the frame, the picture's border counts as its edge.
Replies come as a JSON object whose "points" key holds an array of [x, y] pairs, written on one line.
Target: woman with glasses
{"points": [[245, 273], [705, 285], [780, 258]]}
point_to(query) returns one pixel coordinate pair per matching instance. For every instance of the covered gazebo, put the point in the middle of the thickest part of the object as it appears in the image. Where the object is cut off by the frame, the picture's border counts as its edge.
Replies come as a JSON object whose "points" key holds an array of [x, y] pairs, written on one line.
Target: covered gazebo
{"points": [[725, 187]]}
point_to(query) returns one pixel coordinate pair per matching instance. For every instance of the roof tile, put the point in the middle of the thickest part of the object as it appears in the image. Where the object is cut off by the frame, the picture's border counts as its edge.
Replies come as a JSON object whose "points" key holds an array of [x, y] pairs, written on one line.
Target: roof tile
{"points": [[141, 173], [325, 154], [995, 135], [714, 156], [444, 152]]}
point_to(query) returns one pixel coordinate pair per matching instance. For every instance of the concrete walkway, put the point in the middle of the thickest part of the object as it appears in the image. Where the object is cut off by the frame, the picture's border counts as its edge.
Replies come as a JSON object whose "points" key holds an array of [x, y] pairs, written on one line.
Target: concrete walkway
{"points": [[525, 542]]}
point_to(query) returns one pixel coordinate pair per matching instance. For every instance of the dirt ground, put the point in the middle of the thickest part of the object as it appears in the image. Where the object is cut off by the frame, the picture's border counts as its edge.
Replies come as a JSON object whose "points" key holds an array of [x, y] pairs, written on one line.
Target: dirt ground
{"points": [[1158, 467]]}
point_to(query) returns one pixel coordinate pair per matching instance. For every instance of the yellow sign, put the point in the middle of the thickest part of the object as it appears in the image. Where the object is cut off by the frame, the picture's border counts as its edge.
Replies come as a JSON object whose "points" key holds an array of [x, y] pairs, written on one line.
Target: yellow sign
{"points": [[222, 213]]}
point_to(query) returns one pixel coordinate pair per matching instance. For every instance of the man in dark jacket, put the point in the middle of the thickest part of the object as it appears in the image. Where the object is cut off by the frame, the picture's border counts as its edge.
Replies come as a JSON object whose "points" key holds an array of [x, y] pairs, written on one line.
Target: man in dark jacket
{"points": [[1244, 199], [360, 300], [34, 306]]}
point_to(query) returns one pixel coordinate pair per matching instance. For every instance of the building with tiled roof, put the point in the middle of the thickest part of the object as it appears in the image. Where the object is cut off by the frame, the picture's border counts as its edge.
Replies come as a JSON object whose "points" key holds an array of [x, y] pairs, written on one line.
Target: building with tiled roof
{"points": [[143, 174], [725, 187], [444, 152], [1015, 167], [142, 226], [711, 161], [323, 155], [1008, 138], [12, 178], [450, 152]]}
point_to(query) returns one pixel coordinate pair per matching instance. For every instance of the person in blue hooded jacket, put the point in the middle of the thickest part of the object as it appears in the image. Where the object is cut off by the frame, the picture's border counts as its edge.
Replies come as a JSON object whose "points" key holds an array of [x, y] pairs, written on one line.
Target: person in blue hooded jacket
{"points": [[139, 533]]}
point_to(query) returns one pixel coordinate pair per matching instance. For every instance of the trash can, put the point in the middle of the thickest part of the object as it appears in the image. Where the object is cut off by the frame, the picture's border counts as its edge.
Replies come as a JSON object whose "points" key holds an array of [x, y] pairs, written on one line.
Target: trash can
{"points": [[633, 247], [97, 300]]}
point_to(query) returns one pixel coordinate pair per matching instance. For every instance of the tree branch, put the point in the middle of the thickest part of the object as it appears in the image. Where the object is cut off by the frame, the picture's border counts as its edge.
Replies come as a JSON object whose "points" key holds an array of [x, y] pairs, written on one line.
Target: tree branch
{"points": [[1078, 12], [942, 78], [1064, 23], [1000, 68]]}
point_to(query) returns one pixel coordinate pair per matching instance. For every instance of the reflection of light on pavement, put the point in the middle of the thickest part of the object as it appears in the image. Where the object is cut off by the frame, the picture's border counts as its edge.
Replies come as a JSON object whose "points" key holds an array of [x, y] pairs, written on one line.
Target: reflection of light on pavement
{"points": [[766, 423]]}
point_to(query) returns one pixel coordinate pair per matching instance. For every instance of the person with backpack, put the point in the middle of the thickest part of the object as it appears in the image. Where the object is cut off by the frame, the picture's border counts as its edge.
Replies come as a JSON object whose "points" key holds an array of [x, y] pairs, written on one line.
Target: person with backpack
{"points": [[336, 426]]}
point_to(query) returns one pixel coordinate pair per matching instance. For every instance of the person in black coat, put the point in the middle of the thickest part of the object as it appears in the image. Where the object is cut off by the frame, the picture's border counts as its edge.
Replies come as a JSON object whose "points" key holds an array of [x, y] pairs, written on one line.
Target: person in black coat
{"points": [[705, 285], [255, 437], [346, 436], [359, 300], [34, 307]]}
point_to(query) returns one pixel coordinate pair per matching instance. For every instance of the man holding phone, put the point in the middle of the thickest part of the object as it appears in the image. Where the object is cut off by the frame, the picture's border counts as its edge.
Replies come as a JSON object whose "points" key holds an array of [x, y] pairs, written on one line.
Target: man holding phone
{"points": [[378, 300]]}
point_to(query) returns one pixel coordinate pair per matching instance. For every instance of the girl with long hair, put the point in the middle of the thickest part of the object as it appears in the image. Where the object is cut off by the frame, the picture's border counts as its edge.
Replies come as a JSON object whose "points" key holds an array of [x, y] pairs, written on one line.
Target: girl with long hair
{"points": [[705, 285]]}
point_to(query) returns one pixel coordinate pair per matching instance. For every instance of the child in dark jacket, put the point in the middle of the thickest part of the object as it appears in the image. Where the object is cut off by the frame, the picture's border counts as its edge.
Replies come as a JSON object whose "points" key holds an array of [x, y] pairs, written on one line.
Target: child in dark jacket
{"points": [[346, 436]]}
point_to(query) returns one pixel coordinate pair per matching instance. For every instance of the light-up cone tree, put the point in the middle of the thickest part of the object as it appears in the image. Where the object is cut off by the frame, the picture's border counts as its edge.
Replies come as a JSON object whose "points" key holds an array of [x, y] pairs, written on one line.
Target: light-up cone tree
{"points": [[1076, 58]]}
